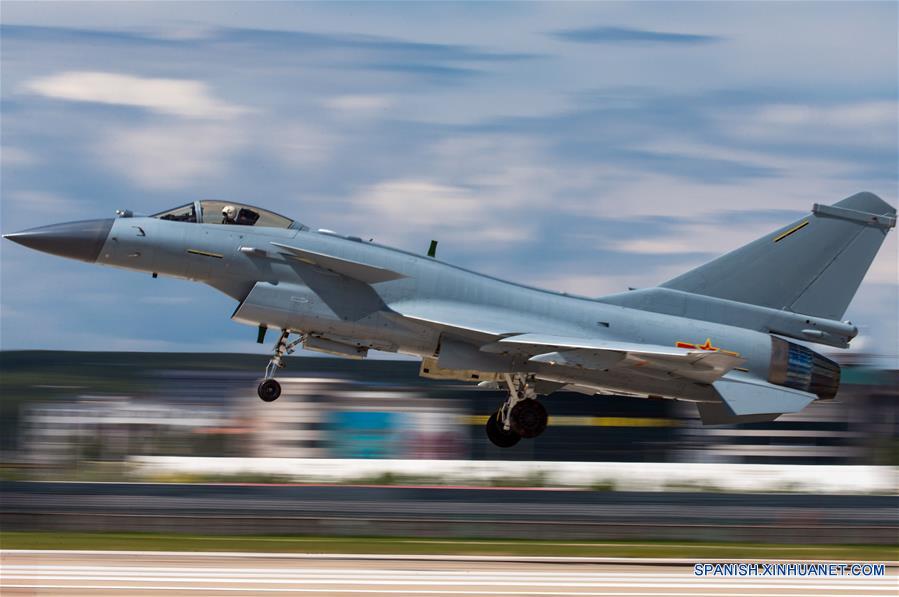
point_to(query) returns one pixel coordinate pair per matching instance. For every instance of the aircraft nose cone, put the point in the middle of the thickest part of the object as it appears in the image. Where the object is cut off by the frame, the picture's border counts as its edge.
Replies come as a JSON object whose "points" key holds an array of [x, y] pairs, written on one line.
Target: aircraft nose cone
{"points": [[76, 240]]}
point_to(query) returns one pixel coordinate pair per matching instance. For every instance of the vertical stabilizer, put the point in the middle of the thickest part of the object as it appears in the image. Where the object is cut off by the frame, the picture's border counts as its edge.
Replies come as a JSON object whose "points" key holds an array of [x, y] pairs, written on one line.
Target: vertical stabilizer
{"points": [[812, 266]]}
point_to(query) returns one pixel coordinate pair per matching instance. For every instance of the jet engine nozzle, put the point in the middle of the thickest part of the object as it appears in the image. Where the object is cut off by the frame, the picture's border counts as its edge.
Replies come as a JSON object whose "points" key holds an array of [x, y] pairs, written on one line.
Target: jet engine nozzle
{"points": [[795, 366], [76, 240]]}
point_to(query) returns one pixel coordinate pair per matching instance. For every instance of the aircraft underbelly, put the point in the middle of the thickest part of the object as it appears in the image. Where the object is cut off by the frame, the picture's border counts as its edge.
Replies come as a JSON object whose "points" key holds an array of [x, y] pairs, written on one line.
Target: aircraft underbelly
{"points": [[288, 306], [299, 308], [623, 383]]}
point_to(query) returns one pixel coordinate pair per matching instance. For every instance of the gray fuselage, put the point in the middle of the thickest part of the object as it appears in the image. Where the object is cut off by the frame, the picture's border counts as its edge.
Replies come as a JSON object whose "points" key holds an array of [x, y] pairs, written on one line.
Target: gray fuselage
{"points": [[406, 315]]}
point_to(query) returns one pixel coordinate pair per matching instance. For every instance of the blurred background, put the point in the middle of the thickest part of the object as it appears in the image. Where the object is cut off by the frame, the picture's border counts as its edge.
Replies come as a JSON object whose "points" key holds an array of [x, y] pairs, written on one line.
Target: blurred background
{"points": [[583, 147], [178, 442], [68, 414]]}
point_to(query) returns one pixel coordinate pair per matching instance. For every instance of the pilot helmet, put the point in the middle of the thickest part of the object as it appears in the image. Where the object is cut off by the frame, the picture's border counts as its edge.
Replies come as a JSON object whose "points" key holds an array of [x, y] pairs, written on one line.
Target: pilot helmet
{"points": [[230, 212]]}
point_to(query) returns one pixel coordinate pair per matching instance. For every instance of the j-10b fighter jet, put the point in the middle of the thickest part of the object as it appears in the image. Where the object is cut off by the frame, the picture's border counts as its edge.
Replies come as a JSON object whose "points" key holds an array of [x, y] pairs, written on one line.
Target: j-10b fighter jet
{"points": [[720, 335]]}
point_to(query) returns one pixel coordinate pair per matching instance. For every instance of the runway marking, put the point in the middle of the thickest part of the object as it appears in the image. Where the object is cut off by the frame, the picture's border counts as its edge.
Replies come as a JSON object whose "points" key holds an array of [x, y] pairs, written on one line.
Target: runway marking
{"points": [[427, 557], [460, 578], [327, 573], [475, 582], [267, 572], [398, 591], [68, 572]]}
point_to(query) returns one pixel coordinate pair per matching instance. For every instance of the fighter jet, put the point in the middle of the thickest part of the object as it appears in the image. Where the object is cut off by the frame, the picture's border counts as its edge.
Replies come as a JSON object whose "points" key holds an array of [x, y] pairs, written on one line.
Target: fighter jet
{"points": [[729, 335]]}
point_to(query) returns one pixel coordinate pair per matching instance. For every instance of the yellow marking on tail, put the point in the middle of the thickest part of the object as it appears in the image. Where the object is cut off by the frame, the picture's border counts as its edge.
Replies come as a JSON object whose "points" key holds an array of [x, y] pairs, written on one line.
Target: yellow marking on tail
{"points": [[796, 228]]}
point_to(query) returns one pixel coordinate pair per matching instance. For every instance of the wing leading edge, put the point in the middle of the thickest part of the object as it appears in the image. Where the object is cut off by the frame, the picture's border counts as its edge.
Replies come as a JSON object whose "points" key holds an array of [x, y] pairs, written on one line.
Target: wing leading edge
{"points": [[368, 274]]}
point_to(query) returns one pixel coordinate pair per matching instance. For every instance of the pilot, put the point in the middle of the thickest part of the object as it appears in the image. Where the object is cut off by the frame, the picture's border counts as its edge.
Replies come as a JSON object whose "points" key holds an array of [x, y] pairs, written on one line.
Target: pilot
{"points": [[229, 214]]}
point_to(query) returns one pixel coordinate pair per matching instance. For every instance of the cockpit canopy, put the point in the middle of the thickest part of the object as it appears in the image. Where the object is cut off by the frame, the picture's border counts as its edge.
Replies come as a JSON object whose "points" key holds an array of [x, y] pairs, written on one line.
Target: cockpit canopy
{"points": [[211, 211]]}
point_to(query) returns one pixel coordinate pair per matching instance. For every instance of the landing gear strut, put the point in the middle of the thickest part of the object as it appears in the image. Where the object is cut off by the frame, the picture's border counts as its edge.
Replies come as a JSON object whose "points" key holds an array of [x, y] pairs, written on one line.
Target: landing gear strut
{"points": [[269, 389], [520, 416]]}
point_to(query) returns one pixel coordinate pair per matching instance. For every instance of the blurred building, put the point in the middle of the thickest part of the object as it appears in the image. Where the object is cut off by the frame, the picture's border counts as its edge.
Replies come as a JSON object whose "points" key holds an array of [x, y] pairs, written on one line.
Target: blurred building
{"points": [[114, 427], [336, 418], [198, 405]]}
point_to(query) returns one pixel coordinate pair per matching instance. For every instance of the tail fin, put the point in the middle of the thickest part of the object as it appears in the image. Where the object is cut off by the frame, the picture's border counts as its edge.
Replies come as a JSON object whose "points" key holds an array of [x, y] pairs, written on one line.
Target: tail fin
{"points": [[813, 266]]}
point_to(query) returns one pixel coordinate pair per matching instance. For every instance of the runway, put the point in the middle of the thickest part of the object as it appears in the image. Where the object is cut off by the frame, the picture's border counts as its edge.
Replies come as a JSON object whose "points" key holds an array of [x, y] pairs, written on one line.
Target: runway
{"points": [[447, 512], [167, 573]]}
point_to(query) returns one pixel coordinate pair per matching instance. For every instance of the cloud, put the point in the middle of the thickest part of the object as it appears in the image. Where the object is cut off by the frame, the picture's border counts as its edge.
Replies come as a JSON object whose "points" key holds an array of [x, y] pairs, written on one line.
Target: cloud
{"points": [[279, 48], [166, 300], [414, 202], [17, 157], [659, 245], [853, 114], [599, 284], [177, 97], [425, 70], [567, 160], [300, 144], [44, 203], [365, 45], [624, 35], [863, 123], [885, 269], [478, 187], [168, 156], [412, 209], [358, 104], [700, 241]]}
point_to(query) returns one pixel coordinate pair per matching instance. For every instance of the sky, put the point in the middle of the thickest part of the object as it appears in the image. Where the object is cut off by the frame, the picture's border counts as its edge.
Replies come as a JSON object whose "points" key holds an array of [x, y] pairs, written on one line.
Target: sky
{"points": [[581, 147]]}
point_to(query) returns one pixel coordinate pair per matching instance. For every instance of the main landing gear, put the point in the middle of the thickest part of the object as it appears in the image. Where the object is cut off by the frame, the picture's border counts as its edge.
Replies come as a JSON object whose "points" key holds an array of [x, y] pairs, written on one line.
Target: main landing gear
{"points": [[269, 389], [520, 416]]}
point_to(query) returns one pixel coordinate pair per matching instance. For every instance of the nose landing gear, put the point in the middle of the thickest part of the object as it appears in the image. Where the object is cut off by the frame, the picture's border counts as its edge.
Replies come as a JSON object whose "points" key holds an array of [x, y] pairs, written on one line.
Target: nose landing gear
{"points": [[520, 416], [269, 389]]}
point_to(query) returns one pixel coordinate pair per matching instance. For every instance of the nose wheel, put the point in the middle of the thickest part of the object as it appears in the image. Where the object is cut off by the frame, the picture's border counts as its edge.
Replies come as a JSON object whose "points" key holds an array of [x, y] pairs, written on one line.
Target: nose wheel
{"points": [[269, 389]]}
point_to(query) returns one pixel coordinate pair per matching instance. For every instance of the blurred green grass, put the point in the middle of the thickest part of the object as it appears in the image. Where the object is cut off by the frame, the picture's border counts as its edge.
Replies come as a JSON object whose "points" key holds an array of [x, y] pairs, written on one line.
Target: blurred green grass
{"points": [[414, 546]]}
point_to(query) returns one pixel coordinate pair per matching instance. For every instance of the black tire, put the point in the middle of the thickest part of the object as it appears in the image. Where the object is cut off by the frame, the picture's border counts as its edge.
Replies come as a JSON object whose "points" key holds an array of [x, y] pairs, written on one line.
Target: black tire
{"points": [[528, 418], [498, 436], [269, 390]]}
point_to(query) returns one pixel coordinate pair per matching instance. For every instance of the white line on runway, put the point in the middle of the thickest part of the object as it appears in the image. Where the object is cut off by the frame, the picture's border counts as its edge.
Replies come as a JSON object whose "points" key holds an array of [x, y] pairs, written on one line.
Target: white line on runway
{"points": [[397, 591], [475, 581], [393, 573], [429, 557], [61, 572], [446, 578], [417, 573], [425, 577]]}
